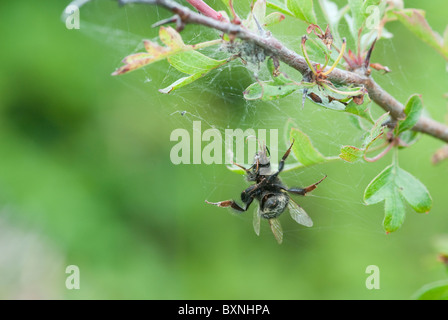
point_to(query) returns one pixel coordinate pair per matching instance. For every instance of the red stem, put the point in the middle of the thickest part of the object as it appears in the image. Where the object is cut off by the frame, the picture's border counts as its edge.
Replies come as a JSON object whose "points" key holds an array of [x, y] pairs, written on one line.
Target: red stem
{"points": [[382, 154], [205, 9]]}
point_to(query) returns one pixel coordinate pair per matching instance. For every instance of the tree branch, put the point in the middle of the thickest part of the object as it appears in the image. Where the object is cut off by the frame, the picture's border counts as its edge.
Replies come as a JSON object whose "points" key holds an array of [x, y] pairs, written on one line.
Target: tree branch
{"points": [[269, 43]]}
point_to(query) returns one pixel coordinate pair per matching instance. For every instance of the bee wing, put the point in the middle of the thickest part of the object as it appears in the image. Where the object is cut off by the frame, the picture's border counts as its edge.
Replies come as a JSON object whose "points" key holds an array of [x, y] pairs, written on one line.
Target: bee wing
{"points": [[276, 228], [298, 214], [256, 220]]}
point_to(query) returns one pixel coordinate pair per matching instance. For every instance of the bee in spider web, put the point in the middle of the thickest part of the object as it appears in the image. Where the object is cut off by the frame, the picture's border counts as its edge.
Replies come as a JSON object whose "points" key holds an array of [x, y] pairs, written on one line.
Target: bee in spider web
{"points": [[272, 195]]}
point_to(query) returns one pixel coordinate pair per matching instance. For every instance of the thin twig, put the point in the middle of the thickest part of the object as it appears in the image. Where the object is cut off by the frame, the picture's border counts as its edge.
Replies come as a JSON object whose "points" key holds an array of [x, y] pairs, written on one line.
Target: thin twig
{"points": [[276, 48]]}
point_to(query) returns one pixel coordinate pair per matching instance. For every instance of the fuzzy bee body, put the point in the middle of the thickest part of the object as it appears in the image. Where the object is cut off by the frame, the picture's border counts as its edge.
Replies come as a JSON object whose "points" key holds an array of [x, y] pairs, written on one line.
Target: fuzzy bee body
{"points": [[271, 194], [273, 204]]}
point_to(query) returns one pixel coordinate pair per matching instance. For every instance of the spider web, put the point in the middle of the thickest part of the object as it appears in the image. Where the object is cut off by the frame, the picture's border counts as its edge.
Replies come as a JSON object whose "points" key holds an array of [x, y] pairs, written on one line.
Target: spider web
{"points": [[222, 106]]}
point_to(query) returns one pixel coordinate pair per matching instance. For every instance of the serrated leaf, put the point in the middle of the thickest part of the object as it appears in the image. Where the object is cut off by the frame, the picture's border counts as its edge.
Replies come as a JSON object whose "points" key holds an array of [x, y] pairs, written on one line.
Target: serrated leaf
{"points": [[136, 61], [303, 149], [155, 52], [433, 291], [153, 48], [394, 186], [351, 154], [171, 38], [413, 111], [303, 10], [279, 5], [182, 57], [269, 90]]}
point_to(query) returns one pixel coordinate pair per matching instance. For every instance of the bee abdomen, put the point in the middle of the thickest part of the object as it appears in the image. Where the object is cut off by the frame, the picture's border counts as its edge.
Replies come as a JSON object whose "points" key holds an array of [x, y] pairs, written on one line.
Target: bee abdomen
{"points": [[273, 204]]}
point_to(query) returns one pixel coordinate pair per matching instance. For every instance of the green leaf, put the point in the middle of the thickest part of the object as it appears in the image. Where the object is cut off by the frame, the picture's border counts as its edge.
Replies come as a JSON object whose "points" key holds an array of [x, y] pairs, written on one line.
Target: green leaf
{"points": [[227, 4], [376, 131], [354, 154], [274, 18], [182, 57], [361, 110], [351, 154], [303, 10], [192, 62], [303, 149], [256, 17], [356, 8], [363, 18], [331, 98], [277, 76], [409, 138], [259, 11], [269, 90], [413, 191], [319, 51], [368, 3], [433, 291], [279, 5], [181, 83], [202, 71], [394, 186], [415, 21], [187, 61], [413, 111], [323, 98], [333, 16], [171, 38]]}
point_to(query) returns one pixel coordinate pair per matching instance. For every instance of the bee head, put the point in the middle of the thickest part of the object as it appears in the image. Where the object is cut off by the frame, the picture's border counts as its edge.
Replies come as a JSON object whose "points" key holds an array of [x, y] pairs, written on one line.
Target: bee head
{"points": [[261, 165]]}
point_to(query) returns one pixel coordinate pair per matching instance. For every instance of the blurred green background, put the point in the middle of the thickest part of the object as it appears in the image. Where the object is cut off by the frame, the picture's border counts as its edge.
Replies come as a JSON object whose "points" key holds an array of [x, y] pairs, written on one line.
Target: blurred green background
{"points": [[86, 177]]}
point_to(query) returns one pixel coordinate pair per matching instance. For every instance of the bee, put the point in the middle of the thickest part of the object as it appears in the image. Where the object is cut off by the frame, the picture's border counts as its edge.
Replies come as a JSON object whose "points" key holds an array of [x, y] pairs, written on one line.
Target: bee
{"points": [[272, 195]]}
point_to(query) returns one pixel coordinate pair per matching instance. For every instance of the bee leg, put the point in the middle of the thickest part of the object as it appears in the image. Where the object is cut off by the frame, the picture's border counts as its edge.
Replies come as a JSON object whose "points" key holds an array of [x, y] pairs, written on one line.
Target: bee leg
{"points": [[281, 164], [232, 204], [247, 196], [304, 191]]}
